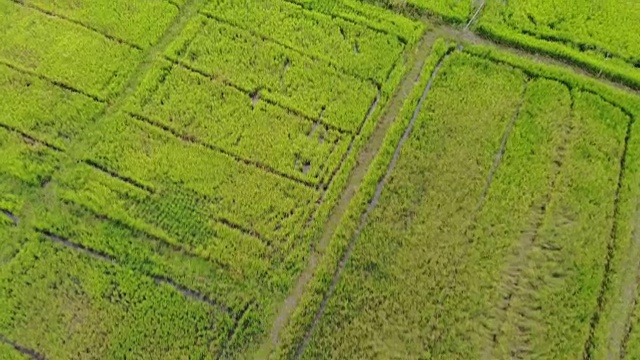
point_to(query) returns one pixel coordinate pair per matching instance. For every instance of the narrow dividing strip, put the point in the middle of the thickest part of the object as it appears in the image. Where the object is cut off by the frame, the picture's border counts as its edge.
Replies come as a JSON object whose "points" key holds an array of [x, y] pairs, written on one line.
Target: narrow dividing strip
{"points": [[253, 92], [193, 140], [365, 216], [345, 156], [606, 280], [31, 138], [10, 215], [186, 292], [249, 232], [22, 349], [514, 271], [115, 175], [57, 83], [253, 33], [502, 149], [76, 22]]}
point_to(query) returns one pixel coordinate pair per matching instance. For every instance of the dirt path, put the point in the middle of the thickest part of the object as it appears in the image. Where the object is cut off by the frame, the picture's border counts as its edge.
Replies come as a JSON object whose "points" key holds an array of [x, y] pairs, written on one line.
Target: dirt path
{"points": [[365, 216], [355, 179]]}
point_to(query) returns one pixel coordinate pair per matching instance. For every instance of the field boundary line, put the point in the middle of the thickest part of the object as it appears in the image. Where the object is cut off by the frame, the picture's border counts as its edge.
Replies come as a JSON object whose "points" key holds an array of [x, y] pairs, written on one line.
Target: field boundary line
{"points": [[174, 246], [610, 254], [14, 219], [502, 149], [237, 319], [51, 81], [337, 67], [255, 92], [22, 349], [113, 174], [31, 138], [88, 27], [193, 140], [372, 204], [475, 14], [628, 329], [158, 279]]}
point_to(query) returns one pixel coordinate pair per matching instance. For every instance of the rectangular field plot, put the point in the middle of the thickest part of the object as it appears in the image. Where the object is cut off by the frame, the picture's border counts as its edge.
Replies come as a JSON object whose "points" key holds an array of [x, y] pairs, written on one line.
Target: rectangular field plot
{"points": [[601, 36], [491, 237], [275, 73], [226, 118], [44, 111], [68, 304], [139, 23], [64, 52], [157, 162], [353, 47]]}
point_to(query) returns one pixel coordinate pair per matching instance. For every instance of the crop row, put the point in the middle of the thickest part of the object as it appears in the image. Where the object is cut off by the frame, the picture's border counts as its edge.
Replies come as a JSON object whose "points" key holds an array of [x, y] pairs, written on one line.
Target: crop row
{"points": [[351, 46], [500, 245], [225, 117], [597, 37]]}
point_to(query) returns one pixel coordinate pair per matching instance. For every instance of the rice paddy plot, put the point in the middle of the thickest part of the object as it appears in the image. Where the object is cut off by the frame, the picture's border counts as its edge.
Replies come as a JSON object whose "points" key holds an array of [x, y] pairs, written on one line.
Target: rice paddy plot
{"points": [[491, 237]]}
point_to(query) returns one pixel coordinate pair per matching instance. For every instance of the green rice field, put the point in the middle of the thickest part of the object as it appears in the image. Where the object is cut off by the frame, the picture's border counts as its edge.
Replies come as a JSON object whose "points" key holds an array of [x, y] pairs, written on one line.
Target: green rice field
{"points": [[319, 179]]}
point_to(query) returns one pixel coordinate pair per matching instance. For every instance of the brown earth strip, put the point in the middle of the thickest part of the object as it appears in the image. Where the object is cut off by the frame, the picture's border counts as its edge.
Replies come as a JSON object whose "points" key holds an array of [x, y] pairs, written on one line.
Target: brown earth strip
{"points": [[365, 216], [365, 158]]}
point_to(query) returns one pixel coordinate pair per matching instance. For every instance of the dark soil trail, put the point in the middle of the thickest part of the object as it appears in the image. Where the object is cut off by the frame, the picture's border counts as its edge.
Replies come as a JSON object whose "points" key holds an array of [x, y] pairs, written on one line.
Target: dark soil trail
{"points": [[23, 350], [604, 287], [365, 216], [365, 158]]}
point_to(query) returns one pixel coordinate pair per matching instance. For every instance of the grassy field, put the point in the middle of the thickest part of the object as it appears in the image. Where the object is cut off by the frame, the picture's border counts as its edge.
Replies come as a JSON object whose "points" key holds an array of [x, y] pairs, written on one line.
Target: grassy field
{"points": [[169, 169]]}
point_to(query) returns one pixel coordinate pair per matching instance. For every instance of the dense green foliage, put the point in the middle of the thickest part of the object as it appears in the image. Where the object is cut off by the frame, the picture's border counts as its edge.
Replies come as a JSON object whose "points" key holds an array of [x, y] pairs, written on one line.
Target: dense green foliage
{"points": [[352, 47], [163, 173], [225, 117], [63, 51], [167, 165], [140, 23], [600, 36], [373, 17], [542, 223], [45, 111], [273, 72]]}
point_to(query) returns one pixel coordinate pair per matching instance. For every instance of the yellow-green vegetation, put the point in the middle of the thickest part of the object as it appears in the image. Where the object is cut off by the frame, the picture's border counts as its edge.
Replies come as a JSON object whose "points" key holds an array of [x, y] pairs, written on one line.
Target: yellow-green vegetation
{"points": [[190, 179], [496, 232], [166, 166], [598, 35]]}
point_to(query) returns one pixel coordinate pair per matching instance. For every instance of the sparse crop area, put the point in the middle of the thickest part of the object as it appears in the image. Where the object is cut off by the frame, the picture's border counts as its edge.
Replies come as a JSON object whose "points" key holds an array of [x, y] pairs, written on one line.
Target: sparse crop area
{"points": [[304, 179]]}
